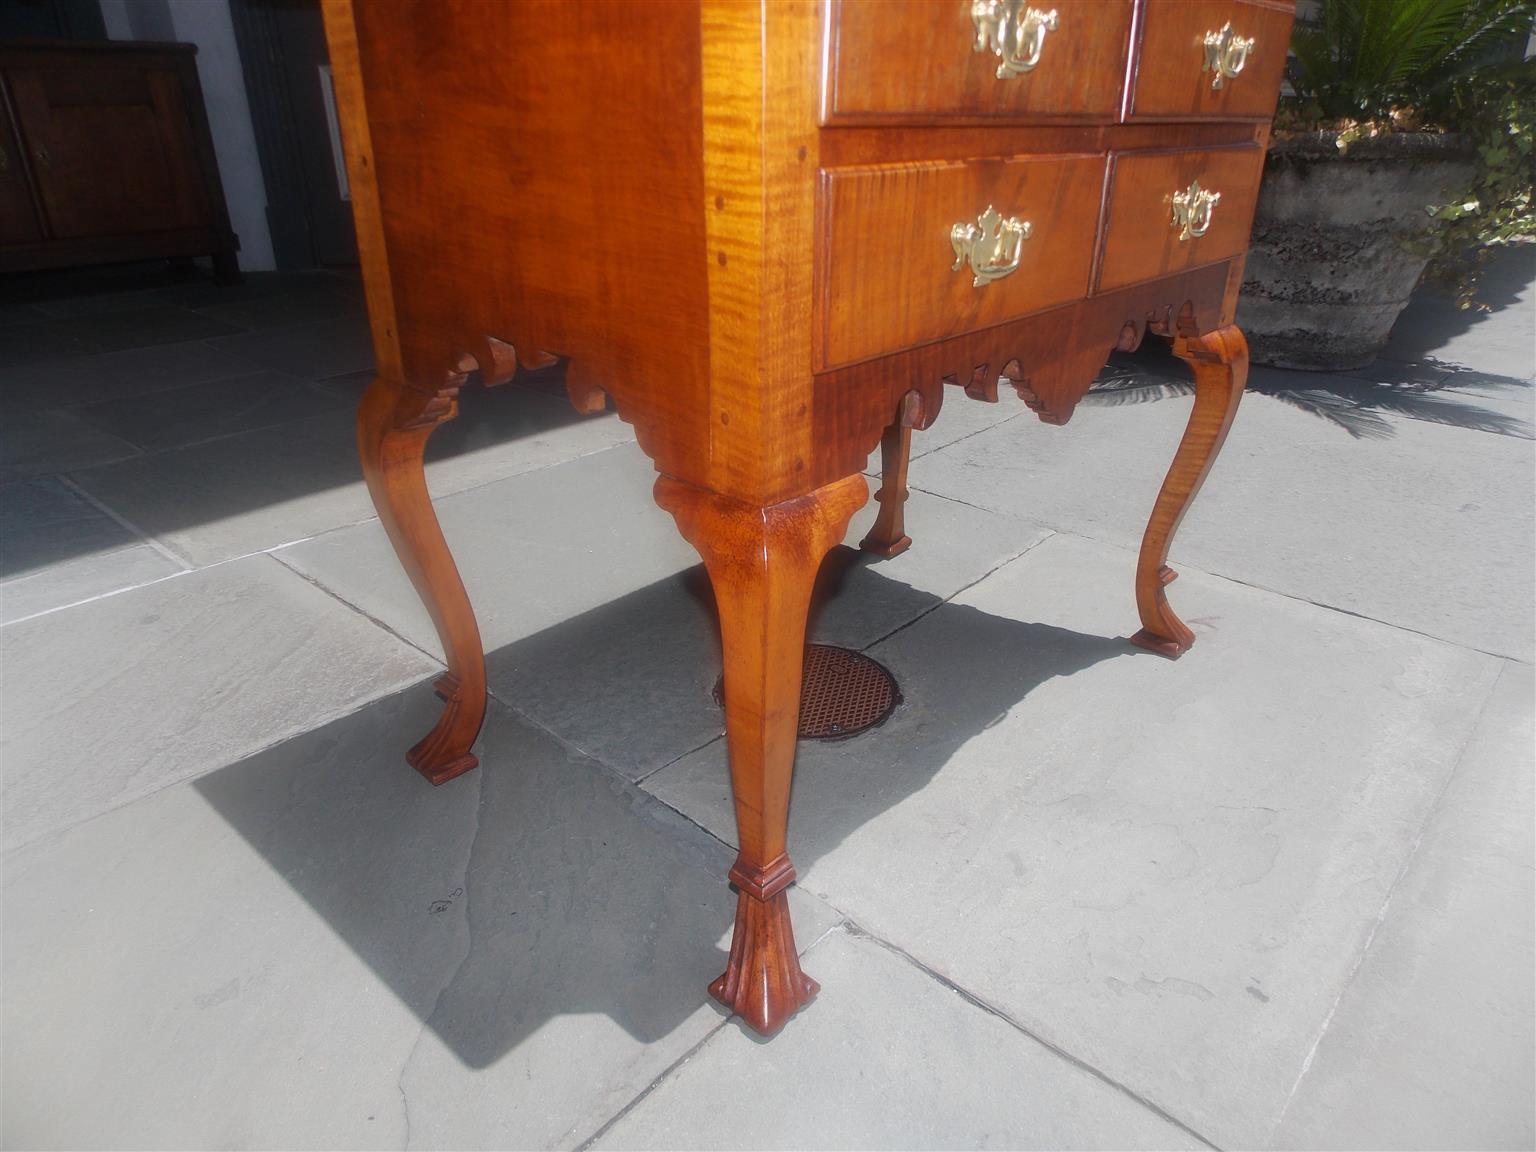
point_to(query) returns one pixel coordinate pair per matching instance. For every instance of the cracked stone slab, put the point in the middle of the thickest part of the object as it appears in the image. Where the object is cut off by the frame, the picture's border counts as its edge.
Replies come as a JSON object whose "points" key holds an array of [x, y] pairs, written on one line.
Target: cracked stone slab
{"points": [[315, 948], [597, 919], [606, 634], [1431, 529], [887, 1057], [111, 700], [1432, 1044], [1166, 868], [244, 962]]}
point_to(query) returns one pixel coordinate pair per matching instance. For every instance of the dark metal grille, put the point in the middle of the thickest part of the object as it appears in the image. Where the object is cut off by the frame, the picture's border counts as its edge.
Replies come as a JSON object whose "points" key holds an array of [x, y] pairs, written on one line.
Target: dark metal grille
{"points": [[842, 693]]}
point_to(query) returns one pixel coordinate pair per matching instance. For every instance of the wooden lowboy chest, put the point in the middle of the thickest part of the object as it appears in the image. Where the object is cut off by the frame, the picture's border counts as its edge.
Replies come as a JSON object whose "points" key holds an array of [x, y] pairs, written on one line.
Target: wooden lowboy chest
{"points": [[773, 235]]}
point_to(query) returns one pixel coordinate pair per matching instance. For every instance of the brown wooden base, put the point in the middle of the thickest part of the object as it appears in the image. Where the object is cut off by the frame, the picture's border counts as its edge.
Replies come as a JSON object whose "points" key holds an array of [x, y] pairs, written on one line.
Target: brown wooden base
{"points": [[1162, 645], [441, 773], [885, 548], [762, 982]]}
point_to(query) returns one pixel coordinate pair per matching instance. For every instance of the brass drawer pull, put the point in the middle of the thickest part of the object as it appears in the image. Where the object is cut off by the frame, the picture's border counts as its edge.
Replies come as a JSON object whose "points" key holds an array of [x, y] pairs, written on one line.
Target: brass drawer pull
{"points": [[992, 246], [1015, 33], [1225, 54], [1192, 210]]}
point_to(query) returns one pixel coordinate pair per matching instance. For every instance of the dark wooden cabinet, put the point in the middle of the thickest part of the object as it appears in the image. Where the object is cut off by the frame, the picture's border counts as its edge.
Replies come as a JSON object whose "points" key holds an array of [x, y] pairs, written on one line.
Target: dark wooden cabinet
{"points": [[107, 156]]}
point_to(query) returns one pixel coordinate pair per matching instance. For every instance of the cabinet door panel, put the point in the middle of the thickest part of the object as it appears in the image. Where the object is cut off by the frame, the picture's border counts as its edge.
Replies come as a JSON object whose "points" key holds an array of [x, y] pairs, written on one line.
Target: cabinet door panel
{"points": [[111, 150], [18, 220]]}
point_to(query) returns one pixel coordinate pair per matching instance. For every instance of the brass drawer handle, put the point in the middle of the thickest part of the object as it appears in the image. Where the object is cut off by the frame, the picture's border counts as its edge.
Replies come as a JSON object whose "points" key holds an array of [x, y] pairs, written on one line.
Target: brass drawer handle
{"points": [[1192, 210], [992, 246], [1015, 33], [1225, 54]]}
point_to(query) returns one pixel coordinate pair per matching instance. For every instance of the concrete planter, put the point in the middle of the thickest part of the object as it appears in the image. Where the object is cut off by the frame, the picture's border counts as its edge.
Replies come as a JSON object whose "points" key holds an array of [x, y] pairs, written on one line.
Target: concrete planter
{"points": [[1329, 268]]}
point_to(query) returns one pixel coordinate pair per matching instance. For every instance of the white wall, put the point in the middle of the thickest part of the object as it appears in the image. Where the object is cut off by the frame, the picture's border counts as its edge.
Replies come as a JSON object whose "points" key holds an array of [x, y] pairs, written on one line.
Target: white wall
{"points": [[207, 24]]}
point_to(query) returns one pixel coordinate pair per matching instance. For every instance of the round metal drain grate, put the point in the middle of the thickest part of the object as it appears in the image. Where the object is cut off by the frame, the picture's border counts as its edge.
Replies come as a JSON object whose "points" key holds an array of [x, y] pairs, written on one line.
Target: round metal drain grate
{"points": [[842, 693]]}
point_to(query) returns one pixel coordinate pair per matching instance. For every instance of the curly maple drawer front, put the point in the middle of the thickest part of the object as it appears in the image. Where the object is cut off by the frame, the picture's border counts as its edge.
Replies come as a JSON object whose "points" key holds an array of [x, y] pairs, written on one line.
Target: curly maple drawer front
{"points": [[887, 277], [1210, 58], [1147, 236], [920, 60]]}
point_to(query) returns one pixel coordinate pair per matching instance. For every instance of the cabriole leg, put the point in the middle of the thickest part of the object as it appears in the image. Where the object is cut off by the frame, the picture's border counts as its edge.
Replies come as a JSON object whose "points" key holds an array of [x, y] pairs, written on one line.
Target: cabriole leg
{"points": [[393, 425], [1220, 364], [762, 563]]}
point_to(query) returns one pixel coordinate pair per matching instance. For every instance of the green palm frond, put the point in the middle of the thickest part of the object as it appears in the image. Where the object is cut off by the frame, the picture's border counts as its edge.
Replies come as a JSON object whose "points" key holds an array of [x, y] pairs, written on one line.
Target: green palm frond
{"points": [[1361, 59]]}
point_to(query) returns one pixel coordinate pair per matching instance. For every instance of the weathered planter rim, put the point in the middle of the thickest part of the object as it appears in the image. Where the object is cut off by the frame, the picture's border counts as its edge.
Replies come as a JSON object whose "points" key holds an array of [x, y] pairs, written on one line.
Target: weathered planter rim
{"points": [[1410, 146]]}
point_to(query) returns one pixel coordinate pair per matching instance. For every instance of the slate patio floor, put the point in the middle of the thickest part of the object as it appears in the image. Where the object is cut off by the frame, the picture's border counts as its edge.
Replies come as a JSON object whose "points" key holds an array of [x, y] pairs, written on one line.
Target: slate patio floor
{"points": [[1277, 894]]}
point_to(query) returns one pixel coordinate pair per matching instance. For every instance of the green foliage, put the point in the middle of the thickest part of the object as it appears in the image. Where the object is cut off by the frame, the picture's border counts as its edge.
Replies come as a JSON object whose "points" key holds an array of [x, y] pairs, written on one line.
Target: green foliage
{"points": [[1498, 208], [1374, 59], [1372, 67]]}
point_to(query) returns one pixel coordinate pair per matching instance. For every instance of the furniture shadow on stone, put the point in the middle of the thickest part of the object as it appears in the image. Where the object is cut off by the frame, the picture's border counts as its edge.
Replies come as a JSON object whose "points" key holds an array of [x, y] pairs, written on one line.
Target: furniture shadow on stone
{"points": [[584, 894]]}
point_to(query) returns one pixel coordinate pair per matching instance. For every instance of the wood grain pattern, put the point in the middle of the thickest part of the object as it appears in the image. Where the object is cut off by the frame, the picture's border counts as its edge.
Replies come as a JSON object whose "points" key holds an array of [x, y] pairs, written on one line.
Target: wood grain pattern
{"points": [[1220, 364], [886, 270], [762, 562], [560, 216], [761, 142], [1140, 242], [1170, 83], [916, 62], [764, 297]]}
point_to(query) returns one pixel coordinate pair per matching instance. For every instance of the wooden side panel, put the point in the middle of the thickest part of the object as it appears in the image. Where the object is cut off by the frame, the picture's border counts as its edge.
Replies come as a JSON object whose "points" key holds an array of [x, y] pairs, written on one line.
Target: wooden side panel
{"points": [[889, 281], [761, 156], [1171, 83], [362, 179], [1141, 241], [917, 61], [537, 187]]}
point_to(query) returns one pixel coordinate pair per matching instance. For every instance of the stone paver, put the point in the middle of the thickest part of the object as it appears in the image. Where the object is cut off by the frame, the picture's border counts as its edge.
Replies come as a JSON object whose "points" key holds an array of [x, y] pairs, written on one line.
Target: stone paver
{"points": [[1431, 1046], [81, 578], [607, 636], [323, 348], [1276, 894], [42, 523], [1165, 868], [262, 489], [314, 948], [1431, 529], [211, 409], [888, 1057], [117, 698], [40, 443]]}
